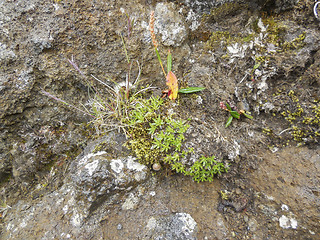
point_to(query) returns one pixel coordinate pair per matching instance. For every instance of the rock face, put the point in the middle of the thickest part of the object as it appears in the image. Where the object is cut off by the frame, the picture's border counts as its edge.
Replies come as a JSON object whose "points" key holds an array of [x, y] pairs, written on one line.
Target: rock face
{"points": [[60, 181], [95, 181]]}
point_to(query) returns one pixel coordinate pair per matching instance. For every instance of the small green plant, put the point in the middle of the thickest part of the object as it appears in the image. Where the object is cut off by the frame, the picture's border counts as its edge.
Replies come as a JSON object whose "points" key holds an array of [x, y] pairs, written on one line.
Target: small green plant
{"points": [[202, 170], [206, 168], [234, 113]]}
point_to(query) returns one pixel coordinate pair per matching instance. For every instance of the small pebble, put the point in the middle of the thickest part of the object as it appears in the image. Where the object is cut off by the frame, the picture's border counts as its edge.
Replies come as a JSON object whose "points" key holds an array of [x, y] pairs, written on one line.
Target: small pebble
{"points": [[152, 193], [119, 227], [156, 166]]}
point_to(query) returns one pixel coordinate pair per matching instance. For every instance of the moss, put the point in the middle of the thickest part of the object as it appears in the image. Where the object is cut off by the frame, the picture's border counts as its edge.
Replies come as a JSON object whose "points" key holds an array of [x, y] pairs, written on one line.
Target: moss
{"points": [[220, 13], [303, 122], [295, 44], [101, 146], [224, 194], [217, 39], [275, 29]]}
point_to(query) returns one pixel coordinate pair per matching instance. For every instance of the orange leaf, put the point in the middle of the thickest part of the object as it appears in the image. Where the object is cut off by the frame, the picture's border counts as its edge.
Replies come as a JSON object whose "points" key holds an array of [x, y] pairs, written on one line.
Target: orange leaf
{"points": [[172, 83]]}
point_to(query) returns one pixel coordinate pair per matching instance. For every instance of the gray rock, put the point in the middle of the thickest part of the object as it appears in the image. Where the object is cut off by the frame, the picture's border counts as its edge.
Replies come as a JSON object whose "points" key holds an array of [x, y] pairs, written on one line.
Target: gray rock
{"points": [[94, 182], [169, 24], [98, 177], [176, 226]]}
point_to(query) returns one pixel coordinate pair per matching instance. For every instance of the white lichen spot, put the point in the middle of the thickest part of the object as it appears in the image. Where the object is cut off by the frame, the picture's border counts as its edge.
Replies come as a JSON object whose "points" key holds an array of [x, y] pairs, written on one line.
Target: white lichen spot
{"points": [[152, 193], [237, 51], [23, 224], [261, 26], [268, 106], [130, 203], [152, 223], [199, 100], [269, 197], [133, 165], [10, 226], [139, 176], [6, 53], [76, 220], [192, 18], [116, 165], [286, 222], [262, 85], [65, 209], [235, 152], [284, 207], [91, 167], [189, 223], [24, 80], [90, 155]]}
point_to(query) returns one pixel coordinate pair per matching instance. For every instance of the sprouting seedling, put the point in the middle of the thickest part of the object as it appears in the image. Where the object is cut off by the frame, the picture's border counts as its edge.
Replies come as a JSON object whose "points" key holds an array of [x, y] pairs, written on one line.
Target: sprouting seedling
{"points": [[234, 113], [172, 81], [154, 40]]}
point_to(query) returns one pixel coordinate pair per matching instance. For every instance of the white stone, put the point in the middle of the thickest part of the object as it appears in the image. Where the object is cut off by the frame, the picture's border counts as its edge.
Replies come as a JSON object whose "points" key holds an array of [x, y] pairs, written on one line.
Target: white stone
{"points": [[286, 222]]}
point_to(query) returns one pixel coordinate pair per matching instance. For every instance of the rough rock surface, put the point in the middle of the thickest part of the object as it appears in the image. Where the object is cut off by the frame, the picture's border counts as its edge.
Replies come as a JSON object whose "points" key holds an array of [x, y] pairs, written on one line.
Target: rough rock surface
{"points": [[95, 181], [57, 182]]}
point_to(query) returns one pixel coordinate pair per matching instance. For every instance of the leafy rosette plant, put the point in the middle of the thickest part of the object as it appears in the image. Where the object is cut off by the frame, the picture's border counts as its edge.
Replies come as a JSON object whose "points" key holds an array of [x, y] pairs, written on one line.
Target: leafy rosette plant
{"points": [[234, 113]]}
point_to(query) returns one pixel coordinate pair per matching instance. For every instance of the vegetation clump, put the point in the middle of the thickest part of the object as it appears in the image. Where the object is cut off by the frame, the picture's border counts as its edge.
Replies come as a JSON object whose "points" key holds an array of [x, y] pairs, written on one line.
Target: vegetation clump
{"points": [[158, 138], [154, 136]]}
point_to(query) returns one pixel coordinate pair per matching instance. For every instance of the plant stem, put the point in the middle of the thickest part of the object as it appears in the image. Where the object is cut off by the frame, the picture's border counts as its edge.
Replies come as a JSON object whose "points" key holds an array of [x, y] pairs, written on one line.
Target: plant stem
{"points": [[158, 55]]}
